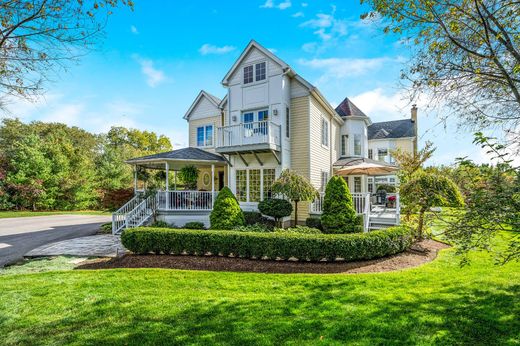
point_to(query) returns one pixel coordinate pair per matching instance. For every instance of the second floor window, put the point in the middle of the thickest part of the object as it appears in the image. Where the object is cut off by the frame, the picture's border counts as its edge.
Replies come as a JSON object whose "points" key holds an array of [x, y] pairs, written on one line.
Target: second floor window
{"points": [[248, 74], [357, 144], [324, 180], [260, 71], [324, 132], [287, 122], [370, 154], [381, 154], [344, 145], [205, 136]]}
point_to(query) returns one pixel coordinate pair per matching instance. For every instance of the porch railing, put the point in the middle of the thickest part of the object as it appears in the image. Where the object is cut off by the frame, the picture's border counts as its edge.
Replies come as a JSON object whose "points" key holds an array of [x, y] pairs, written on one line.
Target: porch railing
{"points": [[257, 132], [185, 200], [360, 201], [119, 216]]}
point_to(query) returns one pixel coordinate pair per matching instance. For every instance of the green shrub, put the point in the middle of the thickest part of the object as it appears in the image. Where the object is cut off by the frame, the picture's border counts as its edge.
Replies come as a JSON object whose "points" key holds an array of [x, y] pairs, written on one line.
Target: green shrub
{"points": [[299, 229], [161, 224], [257, 227], [189, 176], [313, 222], [194, 225], [339, 215], [226, 213], [387, 188], [284, 245], [252, 217], [276, 208]]}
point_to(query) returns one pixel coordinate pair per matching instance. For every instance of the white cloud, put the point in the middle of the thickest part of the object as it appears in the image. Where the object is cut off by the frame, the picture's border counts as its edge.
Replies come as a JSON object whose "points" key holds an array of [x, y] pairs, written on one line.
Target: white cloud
{"points": [[154, 77], [340, 68], [298, 15], [212, 49], [272, 50], [304, 4], [134, 30], [281, 6], [327, 26], [310, 47]]}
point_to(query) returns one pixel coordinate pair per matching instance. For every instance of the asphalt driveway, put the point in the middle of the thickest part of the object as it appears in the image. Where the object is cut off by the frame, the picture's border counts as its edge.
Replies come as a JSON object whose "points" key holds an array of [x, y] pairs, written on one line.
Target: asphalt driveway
{"points": [[20, 235]]}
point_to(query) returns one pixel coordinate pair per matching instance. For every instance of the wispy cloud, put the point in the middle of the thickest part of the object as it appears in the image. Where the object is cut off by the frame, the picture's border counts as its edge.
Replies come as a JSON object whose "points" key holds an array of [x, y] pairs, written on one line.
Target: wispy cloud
{"points": [[340, 68], [154, 76], [298, 15], [272, 50], [212, 49], [281, 6], [327, 26], [304, 4], [134, 30]]}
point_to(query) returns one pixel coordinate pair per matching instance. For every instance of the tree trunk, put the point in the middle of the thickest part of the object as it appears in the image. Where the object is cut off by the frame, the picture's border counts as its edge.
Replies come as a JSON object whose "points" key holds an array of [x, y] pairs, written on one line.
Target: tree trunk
{"points": [[295, 213], [421, 223]]}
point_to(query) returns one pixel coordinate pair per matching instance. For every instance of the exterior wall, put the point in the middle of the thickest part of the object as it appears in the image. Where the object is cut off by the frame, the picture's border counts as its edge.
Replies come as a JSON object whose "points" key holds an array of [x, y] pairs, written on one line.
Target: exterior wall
{"points": [[194, 123], [179, 219], [207, 170], [351, 127], [405, 144]]}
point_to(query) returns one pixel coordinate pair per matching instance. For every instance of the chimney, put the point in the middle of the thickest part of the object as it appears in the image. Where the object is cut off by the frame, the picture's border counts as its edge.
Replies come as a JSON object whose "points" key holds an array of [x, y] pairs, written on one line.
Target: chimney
{"points": [[413, 113]]}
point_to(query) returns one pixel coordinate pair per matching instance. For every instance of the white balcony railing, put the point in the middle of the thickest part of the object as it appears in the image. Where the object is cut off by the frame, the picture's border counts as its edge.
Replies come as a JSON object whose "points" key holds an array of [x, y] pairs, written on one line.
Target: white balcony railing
{"points": [[185, 200], [258, 132], [359, 200]]}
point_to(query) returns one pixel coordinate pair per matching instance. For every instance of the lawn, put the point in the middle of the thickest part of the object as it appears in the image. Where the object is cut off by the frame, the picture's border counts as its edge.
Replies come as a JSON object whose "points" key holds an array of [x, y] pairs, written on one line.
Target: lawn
{"points": [[9, 214], [438, 303]]}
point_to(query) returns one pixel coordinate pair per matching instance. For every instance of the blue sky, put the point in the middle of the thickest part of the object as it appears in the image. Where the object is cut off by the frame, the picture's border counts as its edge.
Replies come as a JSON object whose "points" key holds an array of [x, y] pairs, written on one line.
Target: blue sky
{"points": [[154, 61]]}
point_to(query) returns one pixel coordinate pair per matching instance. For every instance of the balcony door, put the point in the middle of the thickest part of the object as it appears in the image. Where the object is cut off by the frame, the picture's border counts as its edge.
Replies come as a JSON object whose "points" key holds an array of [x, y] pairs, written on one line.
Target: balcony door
{"points": [[255, 126]]}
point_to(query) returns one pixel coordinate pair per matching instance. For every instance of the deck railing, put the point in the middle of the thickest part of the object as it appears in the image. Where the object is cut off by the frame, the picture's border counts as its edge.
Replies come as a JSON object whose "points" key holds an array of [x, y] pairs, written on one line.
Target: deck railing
{"points": [[257, 132], [185, 200], [119, 216], [360, 201]]}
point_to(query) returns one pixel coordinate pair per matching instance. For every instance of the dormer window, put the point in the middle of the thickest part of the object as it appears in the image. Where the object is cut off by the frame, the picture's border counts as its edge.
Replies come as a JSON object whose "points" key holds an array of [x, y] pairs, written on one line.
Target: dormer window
{"points": [[258, 71], [248, 74]]}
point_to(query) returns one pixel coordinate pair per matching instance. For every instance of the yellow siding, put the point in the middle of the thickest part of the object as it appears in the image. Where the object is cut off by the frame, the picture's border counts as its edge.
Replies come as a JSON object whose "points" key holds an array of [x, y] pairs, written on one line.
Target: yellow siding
{"points": [[405, 145], [300, 150], [193, 124], [320, 156]]}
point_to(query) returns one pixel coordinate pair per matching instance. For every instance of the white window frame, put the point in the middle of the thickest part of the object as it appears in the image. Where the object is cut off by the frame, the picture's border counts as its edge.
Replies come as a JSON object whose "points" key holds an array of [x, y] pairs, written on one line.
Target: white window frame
{"points": [[384, 157], [244, 74], [324, 180], [360, 137], [205, 133], [254, 66], [371, 154], [248, 187], [344, 145], [256, 71], [360, 180], [325, 133]]}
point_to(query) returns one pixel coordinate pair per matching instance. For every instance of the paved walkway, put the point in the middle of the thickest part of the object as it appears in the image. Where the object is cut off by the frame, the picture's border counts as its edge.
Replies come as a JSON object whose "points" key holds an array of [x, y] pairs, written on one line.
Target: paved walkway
{"points": [[105, 245]]}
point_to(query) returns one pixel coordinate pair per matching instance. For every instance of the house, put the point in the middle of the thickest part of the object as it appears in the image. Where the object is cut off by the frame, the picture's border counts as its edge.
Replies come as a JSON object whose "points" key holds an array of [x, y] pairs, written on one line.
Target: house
{"points": [[270, 119]]}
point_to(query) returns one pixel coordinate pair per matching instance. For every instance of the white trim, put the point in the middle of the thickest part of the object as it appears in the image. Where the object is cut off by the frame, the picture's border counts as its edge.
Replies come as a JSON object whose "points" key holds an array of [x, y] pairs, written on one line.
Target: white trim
{"points": [[389, 139], [201, 94], [204, 126]]}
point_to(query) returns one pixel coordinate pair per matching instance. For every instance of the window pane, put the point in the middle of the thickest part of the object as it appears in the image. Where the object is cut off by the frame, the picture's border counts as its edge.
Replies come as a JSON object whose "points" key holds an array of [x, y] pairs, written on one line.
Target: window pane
{"points": [[248, 74], [260, 71], [269, 178], [344, 142], [381, 154], [263, 115], [200, 136], [357, 184], [242, 185], [370, 154], [249, 117], [209, 135], [324, 180], [357, 144], [287, 122], [324, 132], [254, 185]]}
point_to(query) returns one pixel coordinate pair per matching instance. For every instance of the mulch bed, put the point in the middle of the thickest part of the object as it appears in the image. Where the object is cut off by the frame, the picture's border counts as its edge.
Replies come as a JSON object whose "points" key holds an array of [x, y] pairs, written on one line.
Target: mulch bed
{"points": [[425, 251]]}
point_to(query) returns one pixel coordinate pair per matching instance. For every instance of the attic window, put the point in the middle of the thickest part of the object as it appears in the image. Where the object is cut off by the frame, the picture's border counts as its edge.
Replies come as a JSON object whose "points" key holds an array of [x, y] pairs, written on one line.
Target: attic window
{"points": [[248, 74], [260, 71]]}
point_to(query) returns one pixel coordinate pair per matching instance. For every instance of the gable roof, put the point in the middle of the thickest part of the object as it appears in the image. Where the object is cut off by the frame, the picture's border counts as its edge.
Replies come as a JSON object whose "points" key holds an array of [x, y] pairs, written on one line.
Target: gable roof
{"points": [[392, 129], [348, 108], [212, 98], [184, 154], [253, 44]]}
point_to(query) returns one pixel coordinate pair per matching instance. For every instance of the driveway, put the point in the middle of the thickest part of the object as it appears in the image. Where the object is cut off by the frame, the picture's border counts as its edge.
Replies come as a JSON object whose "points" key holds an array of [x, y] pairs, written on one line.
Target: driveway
{"points": [[20, 235]]}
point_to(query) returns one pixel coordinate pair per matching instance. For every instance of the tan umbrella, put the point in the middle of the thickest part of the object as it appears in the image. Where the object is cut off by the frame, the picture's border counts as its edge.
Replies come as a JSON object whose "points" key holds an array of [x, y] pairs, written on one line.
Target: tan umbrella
{"points": [[367, 168]]}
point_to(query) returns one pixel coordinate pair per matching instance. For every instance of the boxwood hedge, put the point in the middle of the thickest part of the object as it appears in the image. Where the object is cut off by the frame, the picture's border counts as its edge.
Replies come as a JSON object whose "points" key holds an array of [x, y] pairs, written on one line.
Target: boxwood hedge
{"points": [[310, 247]]}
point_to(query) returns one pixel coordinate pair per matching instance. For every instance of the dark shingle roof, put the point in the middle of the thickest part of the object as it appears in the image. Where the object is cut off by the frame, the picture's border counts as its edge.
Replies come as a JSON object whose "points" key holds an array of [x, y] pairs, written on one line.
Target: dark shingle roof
{"points": [[392, 129], [347, 108], [182, 154]]}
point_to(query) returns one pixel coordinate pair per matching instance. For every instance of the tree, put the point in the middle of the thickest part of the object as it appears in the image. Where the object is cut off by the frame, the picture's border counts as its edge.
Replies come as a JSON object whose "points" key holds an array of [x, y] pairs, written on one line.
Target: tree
{"points": [[189, 176], [226, 213], [38, 37], [465, 54], [294, 187], [409, 163], [339, 215], [427, 190], [275, 207]]}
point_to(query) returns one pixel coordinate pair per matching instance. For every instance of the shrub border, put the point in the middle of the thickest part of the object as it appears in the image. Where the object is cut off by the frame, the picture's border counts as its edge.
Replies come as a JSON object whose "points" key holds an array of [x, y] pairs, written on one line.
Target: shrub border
{"points": [[272, 245]]}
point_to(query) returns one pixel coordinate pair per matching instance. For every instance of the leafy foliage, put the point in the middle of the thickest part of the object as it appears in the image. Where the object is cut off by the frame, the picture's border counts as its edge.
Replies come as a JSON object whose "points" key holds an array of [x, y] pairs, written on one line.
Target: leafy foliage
{"points": [[299, 229], [194, 225], [257, 227], [189, 176], [284, 245], [387, 188], [276, 208], [339, 215], [296, 188], [314, 222], [226, 213]]}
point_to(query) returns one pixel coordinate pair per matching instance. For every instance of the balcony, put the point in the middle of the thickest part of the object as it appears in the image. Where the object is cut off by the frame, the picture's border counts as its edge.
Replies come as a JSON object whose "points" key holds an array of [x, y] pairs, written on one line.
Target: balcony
{"points": [[258, 136]]}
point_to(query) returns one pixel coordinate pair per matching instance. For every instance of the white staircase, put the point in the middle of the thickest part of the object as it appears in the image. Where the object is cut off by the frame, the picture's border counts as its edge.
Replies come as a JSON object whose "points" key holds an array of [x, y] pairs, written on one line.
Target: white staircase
{"points": [[134, 213]]}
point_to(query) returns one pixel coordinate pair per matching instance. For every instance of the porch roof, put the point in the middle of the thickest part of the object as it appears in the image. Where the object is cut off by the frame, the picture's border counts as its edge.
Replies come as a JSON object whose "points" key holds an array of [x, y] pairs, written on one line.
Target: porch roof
{"points": [[179, 158], [354, 161]]}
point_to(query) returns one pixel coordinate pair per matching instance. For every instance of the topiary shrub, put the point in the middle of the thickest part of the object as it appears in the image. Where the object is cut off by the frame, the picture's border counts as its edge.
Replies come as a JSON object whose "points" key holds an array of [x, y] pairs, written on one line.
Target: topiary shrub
{"points": [[194, 225], [252, 217], [313, 222], [339, 215], [226, 213], [276, 208]]}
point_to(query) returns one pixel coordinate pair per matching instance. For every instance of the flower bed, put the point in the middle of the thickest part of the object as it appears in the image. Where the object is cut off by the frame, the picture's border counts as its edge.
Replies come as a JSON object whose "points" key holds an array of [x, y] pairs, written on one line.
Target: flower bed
{"points": [[275, 245]]}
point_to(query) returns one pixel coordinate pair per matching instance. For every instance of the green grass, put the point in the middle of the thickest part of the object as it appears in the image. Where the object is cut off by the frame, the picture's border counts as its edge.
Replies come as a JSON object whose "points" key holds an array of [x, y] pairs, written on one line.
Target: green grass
{"points": [[9, 214], [42, 264], [435, 304]]}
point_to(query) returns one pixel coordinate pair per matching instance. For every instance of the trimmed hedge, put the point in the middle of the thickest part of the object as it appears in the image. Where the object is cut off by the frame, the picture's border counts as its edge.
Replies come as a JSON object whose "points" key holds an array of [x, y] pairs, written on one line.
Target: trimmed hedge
{"points": [[273, 245]]}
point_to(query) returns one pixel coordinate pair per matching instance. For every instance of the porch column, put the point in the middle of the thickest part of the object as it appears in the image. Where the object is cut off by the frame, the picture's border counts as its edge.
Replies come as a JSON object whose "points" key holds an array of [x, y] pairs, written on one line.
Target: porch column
{"points": [[167, 187], [135, 179], [212, 185], [175, 180]]}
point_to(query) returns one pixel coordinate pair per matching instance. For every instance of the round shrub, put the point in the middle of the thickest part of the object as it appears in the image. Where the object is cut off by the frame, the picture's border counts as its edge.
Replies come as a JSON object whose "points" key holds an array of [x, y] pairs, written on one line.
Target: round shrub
{"points": [[276, 208], [226, 213], [339, 215], [194, 225], [313, 222]]}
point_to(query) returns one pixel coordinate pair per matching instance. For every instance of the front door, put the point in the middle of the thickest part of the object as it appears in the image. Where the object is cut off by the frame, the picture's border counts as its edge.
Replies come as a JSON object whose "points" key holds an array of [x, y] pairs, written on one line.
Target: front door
{"points": [[220, 180]]}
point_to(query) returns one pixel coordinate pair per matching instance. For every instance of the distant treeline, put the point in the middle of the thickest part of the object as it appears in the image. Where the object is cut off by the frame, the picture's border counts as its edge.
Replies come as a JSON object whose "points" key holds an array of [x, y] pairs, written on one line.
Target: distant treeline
{"points": [[51, 166]]}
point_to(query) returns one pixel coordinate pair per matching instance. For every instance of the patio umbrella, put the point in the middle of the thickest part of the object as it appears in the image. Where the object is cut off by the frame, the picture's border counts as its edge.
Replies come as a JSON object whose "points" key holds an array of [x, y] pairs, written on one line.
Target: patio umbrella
{"points": [[367, 168]]}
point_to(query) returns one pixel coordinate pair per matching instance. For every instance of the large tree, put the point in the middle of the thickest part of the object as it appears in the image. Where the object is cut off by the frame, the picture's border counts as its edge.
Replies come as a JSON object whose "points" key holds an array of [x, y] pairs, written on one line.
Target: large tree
{"points": [[465, 54], [39, 37]]}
